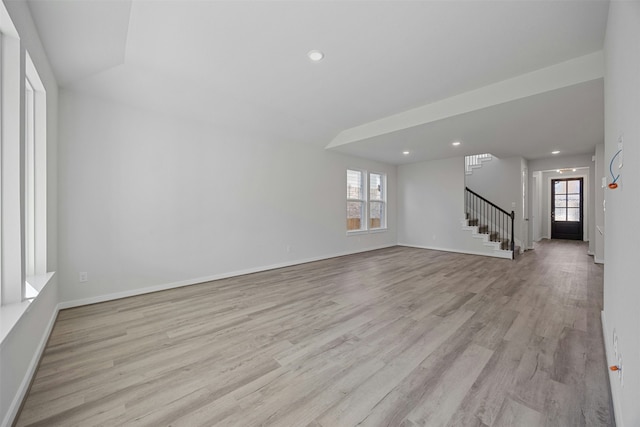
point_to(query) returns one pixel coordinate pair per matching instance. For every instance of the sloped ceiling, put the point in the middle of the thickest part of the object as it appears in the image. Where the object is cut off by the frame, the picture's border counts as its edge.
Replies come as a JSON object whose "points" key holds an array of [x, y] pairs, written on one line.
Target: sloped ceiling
{"points": [[242, 65]]}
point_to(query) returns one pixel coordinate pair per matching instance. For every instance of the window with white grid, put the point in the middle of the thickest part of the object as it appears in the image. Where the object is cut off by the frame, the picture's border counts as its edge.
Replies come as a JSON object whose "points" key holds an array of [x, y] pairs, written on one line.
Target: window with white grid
{"points": [[366, 201]]}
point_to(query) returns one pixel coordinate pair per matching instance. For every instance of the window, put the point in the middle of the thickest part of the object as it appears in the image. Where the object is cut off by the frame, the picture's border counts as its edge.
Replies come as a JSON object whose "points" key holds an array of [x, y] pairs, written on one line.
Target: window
{"points": [[355, 200], [23, 178], [376, 201], [23, 172], [34, 178], [366, 210]]}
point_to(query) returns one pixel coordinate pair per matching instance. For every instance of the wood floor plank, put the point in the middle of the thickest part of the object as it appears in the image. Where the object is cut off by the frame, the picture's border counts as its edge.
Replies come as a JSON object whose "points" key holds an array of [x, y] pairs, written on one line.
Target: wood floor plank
{"points": [[393, 337], [439, 405], [516, 414]]}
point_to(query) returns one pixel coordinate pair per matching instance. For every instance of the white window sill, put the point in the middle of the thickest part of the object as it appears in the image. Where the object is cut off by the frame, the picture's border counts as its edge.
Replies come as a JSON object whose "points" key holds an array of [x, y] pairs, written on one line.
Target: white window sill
{"points": [[10, 314], [378, 230], [361, 232]]}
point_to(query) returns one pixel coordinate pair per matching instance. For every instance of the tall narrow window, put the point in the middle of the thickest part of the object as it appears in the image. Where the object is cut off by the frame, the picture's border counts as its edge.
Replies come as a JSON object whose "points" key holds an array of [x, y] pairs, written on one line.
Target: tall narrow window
{"points": [[29, 181], [355, 200], [377, 208], [35, 179]]}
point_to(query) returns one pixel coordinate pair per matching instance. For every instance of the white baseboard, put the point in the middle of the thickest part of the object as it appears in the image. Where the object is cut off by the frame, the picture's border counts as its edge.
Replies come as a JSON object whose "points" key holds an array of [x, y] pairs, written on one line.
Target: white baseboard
{"points": [[198, 280], [598, 260], [607, 352], [31, 370], [455, 251]]}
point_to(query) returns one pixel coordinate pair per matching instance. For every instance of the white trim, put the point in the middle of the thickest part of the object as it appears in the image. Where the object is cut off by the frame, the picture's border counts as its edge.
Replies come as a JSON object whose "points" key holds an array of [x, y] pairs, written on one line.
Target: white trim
{"points": [[598, 260], [31, 370], [496, 254], [378, 230], [10, 314], [607, 350], [369, 231], [199, 280]]}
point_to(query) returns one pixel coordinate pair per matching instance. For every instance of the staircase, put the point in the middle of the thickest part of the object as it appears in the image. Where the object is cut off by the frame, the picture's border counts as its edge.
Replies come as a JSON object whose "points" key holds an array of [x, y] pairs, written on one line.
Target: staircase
{"points": [[474, 162], [490, 223]]}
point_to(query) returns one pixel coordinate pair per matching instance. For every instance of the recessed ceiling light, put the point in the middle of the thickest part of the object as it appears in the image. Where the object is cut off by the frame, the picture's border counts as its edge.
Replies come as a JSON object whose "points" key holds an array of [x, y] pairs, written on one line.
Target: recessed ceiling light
{"points": [[406, 153], [455, 143], [555, 152], [557, 170], [315, 55], [574, 169]]}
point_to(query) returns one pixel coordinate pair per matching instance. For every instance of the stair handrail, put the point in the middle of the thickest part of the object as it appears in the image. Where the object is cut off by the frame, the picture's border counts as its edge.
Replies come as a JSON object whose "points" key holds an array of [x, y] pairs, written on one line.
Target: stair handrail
{"points": [[487, 201], [511, 215]]}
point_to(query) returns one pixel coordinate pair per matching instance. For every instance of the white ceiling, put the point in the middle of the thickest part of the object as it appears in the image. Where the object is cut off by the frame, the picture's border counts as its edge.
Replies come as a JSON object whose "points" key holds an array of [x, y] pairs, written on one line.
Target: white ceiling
{"points": [[242, 65]]}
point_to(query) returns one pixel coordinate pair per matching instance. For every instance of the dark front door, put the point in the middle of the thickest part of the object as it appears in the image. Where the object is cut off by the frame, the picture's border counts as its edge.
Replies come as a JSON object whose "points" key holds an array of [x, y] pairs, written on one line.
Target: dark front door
{"points": [[566, 208]]}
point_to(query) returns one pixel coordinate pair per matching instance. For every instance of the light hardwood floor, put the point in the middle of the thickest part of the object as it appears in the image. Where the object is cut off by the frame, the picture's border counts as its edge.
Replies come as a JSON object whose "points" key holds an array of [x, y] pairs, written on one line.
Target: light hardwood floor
{"points": [[394, 337]]}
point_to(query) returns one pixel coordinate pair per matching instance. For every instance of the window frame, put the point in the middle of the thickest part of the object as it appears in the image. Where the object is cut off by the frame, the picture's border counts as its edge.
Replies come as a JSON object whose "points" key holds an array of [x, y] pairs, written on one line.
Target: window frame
{"points": [[15, 66], [35, 180], [382, 201], [366, 202], [362, 201]]}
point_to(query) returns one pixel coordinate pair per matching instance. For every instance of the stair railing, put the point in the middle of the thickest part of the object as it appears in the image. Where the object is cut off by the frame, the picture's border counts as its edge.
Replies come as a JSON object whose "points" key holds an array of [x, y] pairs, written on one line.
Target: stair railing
{"points": [[475, 160], [490, 219]]}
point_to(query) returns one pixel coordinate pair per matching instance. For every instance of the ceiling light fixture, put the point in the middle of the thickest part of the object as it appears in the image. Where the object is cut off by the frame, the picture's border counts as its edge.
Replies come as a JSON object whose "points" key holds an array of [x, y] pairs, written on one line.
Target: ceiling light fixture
{"points": [[455, 143], [555, 152], [406, 153], [574, 169], [315, 55]]}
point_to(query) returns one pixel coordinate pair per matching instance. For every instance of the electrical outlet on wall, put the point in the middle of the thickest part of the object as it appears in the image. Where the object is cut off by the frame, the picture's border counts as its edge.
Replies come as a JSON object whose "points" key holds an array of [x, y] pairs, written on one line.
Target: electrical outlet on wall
{"points": [[83, 277]]}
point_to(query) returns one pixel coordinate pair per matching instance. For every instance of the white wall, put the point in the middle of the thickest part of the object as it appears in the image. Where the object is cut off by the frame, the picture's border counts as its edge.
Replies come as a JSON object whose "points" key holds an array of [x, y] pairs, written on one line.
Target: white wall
{"points": [[500, 182], [19, 351], [431, 203], [148, 201], [598, 204], [622, 233], [431, 206]]}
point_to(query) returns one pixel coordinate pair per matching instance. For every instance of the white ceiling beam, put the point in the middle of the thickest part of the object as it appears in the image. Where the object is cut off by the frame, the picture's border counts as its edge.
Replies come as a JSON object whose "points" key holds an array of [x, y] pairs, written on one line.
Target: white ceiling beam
{"points": [[574, 71]]}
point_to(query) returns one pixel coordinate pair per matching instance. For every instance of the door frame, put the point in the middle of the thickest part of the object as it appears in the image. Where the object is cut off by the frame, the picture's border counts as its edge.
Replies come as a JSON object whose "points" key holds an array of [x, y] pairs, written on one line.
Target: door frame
{"points": [[536, 210], [585, 200], [526, 238], [562, 228]]}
